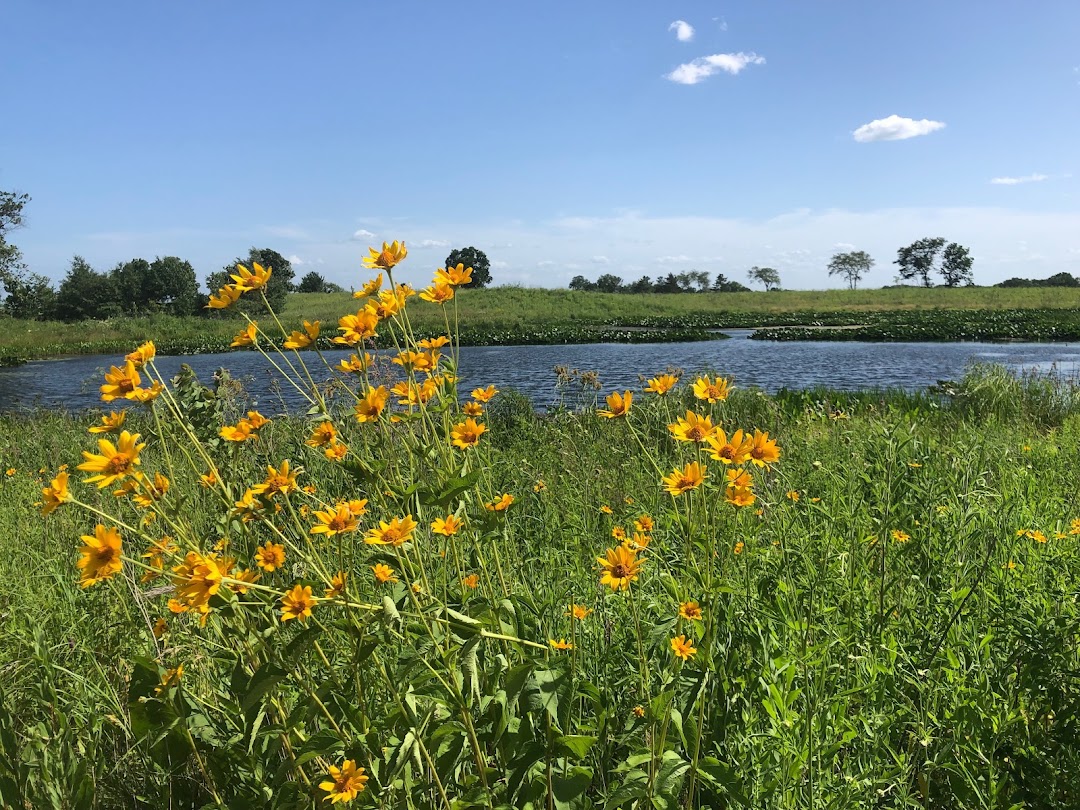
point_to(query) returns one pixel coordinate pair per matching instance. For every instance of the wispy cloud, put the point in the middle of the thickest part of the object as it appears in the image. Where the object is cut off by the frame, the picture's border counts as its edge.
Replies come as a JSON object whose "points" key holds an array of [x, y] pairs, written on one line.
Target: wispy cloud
{"points": [[433, 243], [601, 260], [895, 128], [680, 259], [1015, 181], [684, 31], [705, 66], [721, 23], [296, 260], [362, 235]]}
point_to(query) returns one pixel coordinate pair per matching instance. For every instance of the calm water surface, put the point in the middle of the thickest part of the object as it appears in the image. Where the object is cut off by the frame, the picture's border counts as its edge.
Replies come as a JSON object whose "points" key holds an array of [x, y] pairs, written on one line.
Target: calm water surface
{"points": [[73, 383]]}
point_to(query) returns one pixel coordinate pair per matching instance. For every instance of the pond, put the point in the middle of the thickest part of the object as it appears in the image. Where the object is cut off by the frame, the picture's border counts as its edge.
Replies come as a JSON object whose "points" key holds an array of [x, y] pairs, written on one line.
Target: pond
{"points": [[72, 383]]}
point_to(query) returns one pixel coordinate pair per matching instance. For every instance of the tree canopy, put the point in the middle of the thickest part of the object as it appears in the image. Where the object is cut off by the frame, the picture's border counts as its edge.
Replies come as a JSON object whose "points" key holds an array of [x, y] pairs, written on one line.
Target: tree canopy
{"points": [[852, 266], [765, 276], [474, 258], [919, 260], [279, 286]]}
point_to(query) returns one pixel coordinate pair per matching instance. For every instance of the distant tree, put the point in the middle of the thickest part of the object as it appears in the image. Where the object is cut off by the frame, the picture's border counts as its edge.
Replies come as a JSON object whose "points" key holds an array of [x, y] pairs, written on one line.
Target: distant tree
{"points": [[579, 283], [723, 284], [609, 283], [312, 283], [12, 268], [668, 284], [29, 295], [956, 264], [85, 293], [168, 284], [477, 260], [277, 289], [918, 260], [766, 276], [130, 282], [1056, 280], [852, 266], [642, 285]]}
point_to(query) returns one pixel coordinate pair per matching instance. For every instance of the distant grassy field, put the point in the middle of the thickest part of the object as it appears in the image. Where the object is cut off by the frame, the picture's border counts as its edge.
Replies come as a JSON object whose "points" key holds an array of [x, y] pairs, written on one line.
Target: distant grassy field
{"points": [[505, 315]]}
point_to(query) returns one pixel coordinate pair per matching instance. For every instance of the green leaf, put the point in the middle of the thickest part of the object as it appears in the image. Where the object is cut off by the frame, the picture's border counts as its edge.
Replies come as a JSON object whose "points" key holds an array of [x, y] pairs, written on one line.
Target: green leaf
{"points": [[566, 789], [265, 678], [574, 746]]}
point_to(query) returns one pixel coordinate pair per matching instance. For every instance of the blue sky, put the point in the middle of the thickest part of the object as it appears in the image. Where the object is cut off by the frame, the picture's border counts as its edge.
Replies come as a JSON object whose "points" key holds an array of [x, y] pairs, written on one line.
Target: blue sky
{"points": [[561, 138]]}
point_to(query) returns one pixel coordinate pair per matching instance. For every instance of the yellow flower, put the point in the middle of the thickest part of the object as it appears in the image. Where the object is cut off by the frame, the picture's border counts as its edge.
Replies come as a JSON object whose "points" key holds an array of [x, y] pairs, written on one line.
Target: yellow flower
{"points": [[394, 533], [383, 574], [467, 434], [434, 343], [170, 679], [100, 556], [472, 409], [683, 648], [226, 297], [121, 383], [1074, 527], [735, 450], [209, 480], [471, 581], [899, 536], [578, 612], [281, 480], [484, 394], [142, 355], [690, 611], [739, 496], [662, 384], [390, 255], [150, 491], [240, 432], [345, 783], [764, 451], [371, 404], [446, 526], [355, 364], [337, 586], [253, 279], [370, 287], [619, 568], [301, 340], [297, 603], [793, 495], [386, 305], [639, 712], [739, 547], [618, 404], [693, 428], [246, 336], [249, 507], [712, 391], [335, 521], [500, 504], [437, 293], [55, 494], [689, 477], [618, 532], [1009, 566], [1038, 536], [324, 433], [243, 579], [561, 644], [160, 628], [336, 452], [739, 478], [644, 524], [110, 423], [355, 328], [115, 460], [914, 465], [358, 507], [638, 541], [454, 276], [270, 557], [539, 486], [605, 509]]}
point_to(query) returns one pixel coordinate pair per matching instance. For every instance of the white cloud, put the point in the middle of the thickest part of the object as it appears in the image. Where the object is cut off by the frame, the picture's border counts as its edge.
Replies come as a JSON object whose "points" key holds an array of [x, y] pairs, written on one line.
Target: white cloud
{"points": [[895, 128], [684, 31], [295, 260], [545, 263], [433, 243], [705, 66], [601, 260], [362, 235], [1015, 181], [721, 23], [680, 259]]}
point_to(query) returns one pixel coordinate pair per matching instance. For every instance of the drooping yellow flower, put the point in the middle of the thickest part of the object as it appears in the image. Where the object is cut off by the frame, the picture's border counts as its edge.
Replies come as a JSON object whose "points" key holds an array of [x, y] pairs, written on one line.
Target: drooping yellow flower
{"points": [[605, 509], [735, 450], [142, 355], [561, 645], [247, 336], [689, 477], [358, 507], [240, 432], [208, 480], [619, 568], [539, 486], [764, 450], [739, 496], [447, 526], [297, 604], [301, 340], [370, 287], [110, 423], [121, 383], [434, 343], [145, 395], [198, 578], [249, 507], [638, 541], [383, 573], [270, 557], [484, 394], [160, 628], [693, 428], [150, 491], [170, 679], [394, 533], [386, 305], [437, 293], [324, 433], [355, 364], [225, 297], [115, 461], [454, 276], [336, 451], [416, 361], [471, 581], [279, 480], [467, 434], [371, 405], [253, 279], [500, 504], [472, 409], [390, 255], [336, 587], [344, 783], [335, 521], [691, 611], [683, 648], [618, 404], [712, 391], [578, 612], [55, 494], [100, 556], [662, 384]]}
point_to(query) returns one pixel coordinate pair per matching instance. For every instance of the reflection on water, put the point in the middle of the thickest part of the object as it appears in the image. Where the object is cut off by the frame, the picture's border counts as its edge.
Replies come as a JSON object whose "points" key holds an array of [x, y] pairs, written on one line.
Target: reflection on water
{"points": [[73, 383]]}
